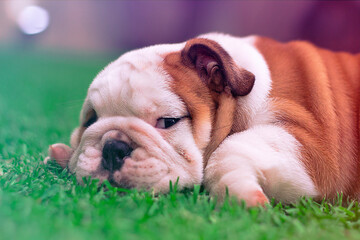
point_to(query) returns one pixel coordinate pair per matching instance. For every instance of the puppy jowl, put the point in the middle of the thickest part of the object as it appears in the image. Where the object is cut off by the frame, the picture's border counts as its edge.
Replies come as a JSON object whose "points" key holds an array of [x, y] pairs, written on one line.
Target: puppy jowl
{"points": [[260, 118]]}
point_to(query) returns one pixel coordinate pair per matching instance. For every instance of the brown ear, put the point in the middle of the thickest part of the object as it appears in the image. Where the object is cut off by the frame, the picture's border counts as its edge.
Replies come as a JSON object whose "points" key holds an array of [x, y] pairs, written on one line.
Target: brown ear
{"points": [[216, 68]]}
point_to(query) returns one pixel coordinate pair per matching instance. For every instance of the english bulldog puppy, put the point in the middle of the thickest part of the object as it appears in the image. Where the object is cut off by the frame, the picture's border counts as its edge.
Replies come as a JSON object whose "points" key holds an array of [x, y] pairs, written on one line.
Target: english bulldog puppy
{"points": [[255, 117]]}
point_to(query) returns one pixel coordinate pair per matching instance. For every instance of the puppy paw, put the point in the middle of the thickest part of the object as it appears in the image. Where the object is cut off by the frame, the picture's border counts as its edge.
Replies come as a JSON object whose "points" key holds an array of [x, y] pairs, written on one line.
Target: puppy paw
{"points": [[61, 153], [256, 198], [250, 193]]}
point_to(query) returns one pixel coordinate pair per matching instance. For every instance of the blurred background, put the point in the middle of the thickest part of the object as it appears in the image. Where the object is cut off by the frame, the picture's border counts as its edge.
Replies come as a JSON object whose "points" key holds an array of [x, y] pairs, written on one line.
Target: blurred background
{"points": [[51, 50], [110, 26]]}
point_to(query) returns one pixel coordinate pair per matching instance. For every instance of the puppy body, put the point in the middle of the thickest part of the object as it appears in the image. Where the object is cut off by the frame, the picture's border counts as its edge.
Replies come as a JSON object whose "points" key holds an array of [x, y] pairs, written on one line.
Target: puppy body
{"points": [[318, 103], [261, 118]]}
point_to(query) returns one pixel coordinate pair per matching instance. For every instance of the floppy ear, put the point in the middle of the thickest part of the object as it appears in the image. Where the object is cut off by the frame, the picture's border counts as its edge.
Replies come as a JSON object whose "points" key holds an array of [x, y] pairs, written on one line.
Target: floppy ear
{"points": [[61, 153], [216, 68]]}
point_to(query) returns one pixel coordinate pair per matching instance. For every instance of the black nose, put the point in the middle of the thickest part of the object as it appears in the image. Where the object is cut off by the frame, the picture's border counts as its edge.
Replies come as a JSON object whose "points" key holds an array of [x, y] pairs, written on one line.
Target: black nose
{"points": [[114, 153]]}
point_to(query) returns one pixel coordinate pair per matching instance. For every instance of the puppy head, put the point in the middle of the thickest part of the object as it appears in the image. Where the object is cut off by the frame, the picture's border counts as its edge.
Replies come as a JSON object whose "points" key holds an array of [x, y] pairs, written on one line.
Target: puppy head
{"points": [[150, 116]]}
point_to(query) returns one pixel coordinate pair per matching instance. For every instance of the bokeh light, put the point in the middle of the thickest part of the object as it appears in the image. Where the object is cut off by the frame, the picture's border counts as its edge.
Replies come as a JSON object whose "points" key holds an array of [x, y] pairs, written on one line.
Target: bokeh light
{"points": [[33, 20]]}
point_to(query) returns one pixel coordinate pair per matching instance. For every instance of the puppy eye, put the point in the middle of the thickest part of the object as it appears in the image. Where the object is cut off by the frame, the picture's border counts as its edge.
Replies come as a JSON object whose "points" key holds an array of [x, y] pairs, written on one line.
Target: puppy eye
{"points": [[92, 118], [164, 123]]}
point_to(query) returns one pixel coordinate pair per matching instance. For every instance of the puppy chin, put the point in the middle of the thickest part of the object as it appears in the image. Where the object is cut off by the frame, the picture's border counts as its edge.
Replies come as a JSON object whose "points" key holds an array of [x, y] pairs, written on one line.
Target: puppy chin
{"points": [[139, 171], [144, 174], [151, 165]]}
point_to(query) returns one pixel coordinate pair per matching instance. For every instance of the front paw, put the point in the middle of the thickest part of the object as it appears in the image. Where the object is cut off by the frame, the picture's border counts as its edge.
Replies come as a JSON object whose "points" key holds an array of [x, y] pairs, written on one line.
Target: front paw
{"points": [[256, 198], [252, 197], [241, 183], [61, 153]]}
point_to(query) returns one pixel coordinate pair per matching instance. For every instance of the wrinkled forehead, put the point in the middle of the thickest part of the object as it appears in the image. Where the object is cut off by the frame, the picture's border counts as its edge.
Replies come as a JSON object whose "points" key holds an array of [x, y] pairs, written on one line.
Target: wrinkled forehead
{"points": [[133, 85]]}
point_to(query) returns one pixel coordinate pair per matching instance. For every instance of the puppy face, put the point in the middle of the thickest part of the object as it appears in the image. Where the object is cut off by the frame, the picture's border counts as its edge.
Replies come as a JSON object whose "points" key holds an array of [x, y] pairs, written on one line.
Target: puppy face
{"points": [[149, 116], [135, 131]]}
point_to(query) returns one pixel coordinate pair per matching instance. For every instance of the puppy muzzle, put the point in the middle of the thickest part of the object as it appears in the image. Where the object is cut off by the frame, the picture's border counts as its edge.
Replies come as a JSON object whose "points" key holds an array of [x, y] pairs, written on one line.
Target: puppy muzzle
{"points": [[128, 152]]}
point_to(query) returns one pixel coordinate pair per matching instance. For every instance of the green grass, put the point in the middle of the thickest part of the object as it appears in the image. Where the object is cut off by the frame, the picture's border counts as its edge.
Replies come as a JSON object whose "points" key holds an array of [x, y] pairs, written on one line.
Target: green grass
{"points": [[40, 98]]}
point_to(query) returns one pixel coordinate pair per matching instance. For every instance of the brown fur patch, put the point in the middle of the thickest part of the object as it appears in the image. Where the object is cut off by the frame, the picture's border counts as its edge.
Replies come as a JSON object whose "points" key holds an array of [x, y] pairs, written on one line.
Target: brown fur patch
{"points": [[316, 96], [222, 124], [216, 68], [197, 97], [207, 79]]}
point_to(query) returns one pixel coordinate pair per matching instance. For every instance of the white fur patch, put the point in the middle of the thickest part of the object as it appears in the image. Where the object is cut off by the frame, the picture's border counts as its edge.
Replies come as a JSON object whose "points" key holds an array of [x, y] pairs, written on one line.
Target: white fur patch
{"points": [[264, 156]]}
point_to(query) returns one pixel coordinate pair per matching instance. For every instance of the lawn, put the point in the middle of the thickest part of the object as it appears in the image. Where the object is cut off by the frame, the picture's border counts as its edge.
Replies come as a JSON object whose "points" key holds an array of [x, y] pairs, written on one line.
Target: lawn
{"points": [[40, 97]]}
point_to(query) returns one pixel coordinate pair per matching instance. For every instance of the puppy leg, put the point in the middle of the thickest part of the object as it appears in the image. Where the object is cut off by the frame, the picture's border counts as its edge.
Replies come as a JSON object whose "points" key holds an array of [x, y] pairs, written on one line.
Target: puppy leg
{"points": [[259, 162]]}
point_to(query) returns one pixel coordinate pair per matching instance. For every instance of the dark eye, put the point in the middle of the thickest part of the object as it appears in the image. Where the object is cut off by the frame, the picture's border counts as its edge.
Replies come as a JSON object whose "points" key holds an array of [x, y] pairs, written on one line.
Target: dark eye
{"points": [[91, 118], [164, 123]]}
